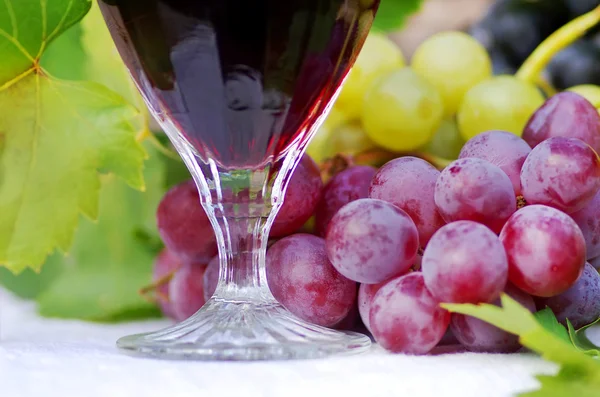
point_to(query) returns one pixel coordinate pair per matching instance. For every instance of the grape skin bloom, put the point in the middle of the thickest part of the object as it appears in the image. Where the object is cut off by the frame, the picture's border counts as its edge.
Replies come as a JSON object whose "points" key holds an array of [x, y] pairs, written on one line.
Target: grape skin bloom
{"points": [[465, 262], [406, 318], [476, 190], [563, 173], [545, 249], [503, 149], [409, 184], [565, 114], [370, 241], [303, 280]]}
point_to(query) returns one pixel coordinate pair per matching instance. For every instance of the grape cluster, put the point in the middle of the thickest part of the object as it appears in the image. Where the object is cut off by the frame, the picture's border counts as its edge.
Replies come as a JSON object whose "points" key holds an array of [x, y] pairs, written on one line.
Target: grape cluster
{"points": [[515, 209], [512, 29]]}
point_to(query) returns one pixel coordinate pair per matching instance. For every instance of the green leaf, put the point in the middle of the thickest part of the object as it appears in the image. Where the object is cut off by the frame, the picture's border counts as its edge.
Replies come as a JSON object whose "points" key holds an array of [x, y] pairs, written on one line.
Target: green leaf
{"points": [[548, 320], [55, 136], [392, 14], [29, 284], [579, 374], [109, 263], [580, 340]]}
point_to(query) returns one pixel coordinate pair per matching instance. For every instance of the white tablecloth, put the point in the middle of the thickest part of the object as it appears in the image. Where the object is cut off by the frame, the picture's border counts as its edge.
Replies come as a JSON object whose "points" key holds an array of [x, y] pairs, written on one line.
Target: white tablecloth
{"points": [[47, 358]]}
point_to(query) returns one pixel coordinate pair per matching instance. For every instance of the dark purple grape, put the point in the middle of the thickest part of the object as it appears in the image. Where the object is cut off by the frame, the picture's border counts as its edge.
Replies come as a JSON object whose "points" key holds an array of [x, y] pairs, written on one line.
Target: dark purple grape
{"points": [[588, 220], [302, 195], [184, 226], [575, 65], [345, 187], [477, 335], [580, 303]]}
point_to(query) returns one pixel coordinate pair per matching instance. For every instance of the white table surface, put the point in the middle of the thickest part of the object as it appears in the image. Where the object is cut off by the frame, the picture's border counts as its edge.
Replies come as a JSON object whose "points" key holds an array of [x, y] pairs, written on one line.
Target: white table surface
{"points": [[47, 358]]}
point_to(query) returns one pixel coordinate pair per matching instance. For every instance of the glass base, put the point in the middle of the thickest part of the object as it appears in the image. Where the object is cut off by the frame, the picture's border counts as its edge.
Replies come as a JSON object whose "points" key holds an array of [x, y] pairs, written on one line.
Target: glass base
{"points": [[242, 331]]}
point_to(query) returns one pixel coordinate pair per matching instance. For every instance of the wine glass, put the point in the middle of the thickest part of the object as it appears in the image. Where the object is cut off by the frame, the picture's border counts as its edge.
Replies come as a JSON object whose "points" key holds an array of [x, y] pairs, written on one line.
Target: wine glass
{"points": [[240, 87]]}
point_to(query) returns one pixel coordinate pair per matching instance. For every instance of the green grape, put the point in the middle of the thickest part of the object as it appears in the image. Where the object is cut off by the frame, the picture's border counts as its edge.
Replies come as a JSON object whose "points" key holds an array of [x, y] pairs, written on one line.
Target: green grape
{"points": [[500, 103], [350, 139], [402, 111], [378, 56], [590, 92], [317, 146], [336, 117], [453, 62], [447, 141]]}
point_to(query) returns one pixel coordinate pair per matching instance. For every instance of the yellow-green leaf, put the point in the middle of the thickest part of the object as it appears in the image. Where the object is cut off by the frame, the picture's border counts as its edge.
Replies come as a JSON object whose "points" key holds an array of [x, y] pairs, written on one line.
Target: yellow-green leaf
{"points": [[55, 136]]}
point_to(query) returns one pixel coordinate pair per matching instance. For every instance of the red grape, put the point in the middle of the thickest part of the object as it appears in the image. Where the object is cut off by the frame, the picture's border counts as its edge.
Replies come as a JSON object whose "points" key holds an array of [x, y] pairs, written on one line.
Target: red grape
{"points": [[503, 149], [301, 198], [477, 335], [405, 317], [545, 248], [166, 263], [370, 241], [184, 226], [476, 190], [409, 184], [366, 292], [465, 262], [303, 280], [588, 220], [186, 291], [351, 321], [563, 173], [211, 278], [580, 303], [347, 186], [565, 114]]}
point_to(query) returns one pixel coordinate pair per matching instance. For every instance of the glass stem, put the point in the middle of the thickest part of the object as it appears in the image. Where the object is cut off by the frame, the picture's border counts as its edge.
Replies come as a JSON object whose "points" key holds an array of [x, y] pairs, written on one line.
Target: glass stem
{"points": [[242, 244]]}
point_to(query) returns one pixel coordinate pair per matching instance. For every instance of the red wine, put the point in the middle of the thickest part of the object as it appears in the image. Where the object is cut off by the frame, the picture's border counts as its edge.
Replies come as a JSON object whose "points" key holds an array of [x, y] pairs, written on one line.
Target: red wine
{"points": [[241, 80]]}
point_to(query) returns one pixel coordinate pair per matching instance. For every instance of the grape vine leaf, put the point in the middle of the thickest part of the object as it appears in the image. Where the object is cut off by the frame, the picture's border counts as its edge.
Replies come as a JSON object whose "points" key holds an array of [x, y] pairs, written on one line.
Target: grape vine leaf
{"points": [[55, 136], [109, 263], [579, 374], [581, 341], [392, 14], [548, 320]]}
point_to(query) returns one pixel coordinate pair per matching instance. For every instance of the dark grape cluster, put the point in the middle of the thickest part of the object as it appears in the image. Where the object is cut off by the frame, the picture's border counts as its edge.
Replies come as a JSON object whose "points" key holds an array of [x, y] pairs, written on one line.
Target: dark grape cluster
{"points": [[512, 29]]}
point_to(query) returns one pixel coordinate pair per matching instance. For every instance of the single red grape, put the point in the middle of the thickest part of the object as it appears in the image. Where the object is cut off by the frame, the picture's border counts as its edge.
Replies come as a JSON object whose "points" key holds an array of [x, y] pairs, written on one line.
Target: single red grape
{"points": [[545, 249], [303, 280], [370, 241], [186, 291], [465, 262], [184, 226], [405, 317]]}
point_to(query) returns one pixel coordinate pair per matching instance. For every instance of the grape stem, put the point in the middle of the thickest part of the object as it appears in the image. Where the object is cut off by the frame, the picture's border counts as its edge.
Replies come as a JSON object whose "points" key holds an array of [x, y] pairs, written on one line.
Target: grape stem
{"points": [[563, 37], [144, 291], [375, 157]]}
